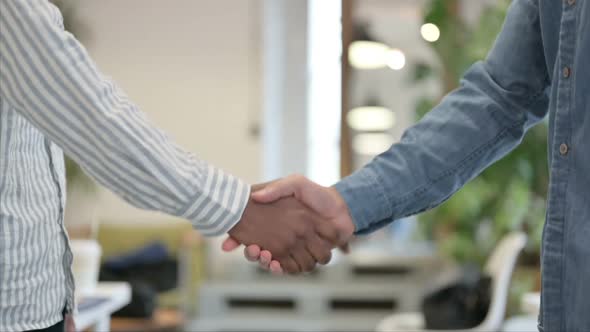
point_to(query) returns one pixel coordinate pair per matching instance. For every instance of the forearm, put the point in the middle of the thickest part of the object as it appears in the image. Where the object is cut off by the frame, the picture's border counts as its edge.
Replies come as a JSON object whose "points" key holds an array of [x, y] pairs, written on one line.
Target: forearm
{"points": [[481, 121], [51, 80], [465, 134]]}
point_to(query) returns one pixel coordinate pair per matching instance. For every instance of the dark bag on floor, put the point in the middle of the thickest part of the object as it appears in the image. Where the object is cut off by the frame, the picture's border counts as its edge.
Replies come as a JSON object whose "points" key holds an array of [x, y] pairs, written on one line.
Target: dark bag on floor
{"points": [[148, 270], [144, 301], [461, 305]]}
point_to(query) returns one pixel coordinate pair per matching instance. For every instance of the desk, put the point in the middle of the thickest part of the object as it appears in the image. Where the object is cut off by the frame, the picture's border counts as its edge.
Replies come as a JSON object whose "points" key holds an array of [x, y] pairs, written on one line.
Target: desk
{"points": [[530, 305], [95, 310]]}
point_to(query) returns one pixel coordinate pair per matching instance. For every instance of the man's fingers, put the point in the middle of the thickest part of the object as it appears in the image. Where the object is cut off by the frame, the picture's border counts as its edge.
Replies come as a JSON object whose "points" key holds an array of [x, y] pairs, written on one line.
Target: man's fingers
{"points": [[320, 250], [230, 244], [265, 259], [252, 253], [289, 265], [259, 186], [324, 201], [345, 248], [289, 186], [276, 268], [273, 192], [328, 231], [304, 259]]}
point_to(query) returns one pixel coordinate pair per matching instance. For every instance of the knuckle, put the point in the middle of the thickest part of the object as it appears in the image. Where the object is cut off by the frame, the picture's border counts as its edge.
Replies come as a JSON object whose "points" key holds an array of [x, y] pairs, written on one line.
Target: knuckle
{"points": [[282, 252], [292, 244], [278, 249], [292, 268], [300, 230], [302, 215], [296, 181], [291, 241], [297, 177]]}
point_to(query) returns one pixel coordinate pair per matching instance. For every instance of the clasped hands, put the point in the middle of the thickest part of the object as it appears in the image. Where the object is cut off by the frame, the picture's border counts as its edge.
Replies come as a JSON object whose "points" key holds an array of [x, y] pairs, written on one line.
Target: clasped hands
{"points": [[292, 224]]}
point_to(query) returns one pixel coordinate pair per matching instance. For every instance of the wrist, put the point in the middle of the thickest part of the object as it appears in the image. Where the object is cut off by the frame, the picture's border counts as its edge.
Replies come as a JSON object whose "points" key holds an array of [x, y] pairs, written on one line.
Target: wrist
{"points": [[242, 223], [342, 215], [367, 200]]}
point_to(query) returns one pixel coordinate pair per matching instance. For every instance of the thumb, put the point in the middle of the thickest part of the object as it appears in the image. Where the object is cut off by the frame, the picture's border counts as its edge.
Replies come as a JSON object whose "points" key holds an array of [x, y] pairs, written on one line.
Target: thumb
{"points": [[230, 244], [274, 191]]}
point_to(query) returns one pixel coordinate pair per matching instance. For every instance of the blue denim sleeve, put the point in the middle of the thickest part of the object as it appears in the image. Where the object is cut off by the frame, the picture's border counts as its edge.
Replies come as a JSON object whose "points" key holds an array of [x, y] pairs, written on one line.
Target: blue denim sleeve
{"points": [[474, 126]]}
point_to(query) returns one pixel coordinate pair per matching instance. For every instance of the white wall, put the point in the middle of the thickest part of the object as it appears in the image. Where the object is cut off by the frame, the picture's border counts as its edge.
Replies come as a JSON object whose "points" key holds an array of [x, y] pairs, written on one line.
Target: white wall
{"points": [[194, 67], [301, 89], [285, 87]]}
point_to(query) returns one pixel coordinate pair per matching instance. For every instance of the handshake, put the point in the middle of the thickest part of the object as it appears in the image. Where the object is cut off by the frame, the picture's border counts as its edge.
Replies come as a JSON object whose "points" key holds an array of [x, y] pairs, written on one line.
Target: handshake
{"points": [[292, 224]]}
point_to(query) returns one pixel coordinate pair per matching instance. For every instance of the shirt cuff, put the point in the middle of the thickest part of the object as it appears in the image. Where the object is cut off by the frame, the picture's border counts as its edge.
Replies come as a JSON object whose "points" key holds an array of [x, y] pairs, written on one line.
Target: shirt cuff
{"points": [[365, 196], [219, 207]]}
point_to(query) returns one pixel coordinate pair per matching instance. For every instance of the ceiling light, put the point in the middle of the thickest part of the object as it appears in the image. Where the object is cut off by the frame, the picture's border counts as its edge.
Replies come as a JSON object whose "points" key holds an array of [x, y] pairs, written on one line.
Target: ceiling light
{"points": [[371, 118], [396, 59], [430, 32], [365, 52]]}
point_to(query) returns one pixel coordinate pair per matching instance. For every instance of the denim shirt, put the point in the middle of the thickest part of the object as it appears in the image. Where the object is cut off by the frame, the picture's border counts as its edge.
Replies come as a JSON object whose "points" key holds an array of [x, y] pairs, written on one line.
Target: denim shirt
{"points": [[540, 64]]}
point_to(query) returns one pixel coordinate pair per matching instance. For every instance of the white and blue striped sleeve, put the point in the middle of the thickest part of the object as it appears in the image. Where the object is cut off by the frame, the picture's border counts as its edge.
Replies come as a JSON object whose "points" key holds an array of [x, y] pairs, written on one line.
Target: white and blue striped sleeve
{"points": [[49, 78]]}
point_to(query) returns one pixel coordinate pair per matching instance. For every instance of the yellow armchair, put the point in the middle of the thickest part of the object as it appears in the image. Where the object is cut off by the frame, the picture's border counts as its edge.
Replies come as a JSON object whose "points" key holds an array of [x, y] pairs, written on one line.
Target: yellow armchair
{"points": [[181, 241]]}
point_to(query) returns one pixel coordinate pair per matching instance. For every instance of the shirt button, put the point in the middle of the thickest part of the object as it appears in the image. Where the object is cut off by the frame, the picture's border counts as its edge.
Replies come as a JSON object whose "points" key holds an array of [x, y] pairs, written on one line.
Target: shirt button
{"points": [[563, 149], [567, 72]]}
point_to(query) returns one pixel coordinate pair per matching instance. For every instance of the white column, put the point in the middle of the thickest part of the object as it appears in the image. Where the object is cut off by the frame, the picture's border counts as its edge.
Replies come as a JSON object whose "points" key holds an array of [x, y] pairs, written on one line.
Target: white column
{"points": [[285, 87], [325, 90]]}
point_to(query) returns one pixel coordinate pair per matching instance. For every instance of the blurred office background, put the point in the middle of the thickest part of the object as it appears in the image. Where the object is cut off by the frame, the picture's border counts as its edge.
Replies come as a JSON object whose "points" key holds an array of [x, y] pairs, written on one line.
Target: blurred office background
{"points": [[267, 88]]}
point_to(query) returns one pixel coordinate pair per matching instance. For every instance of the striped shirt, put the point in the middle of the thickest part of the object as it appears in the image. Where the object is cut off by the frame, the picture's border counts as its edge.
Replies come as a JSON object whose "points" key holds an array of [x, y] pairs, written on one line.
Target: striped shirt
{"points": [[53, 98]]}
